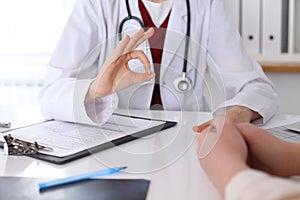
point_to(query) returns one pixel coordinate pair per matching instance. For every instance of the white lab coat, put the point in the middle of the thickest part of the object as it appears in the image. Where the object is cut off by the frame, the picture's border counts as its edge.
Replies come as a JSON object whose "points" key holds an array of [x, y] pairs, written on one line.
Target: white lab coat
{"points": [[90, 35]]}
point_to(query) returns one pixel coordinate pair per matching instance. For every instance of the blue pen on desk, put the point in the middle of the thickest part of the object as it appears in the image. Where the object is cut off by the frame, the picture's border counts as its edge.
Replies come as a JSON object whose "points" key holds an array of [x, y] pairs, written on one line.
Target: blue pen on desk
{"points": [[77, 178]]}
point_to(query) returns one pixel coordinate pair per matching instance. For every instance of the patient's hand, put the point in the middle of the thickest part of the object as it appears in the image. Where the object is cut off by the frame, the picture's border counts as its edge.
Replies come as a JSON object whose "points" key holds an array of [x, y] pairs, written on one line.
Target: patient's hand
{"points": [[222, 152], [269, 153]]}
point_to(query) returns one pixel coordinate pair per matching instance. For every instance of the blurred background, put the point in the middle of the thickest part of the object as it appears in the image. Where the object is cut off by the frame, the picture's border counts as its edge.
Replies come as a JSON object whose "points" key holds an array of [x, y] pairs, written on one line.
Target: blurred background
{"points": [[29, 30]]}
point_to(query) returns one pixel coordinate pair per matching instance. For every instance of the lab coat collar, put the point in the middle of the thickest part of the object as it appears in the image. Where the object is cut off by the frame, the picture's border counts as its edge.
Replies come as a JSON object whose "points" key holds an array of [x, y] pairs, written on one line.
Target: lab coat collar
{"points": [[179, 8]]}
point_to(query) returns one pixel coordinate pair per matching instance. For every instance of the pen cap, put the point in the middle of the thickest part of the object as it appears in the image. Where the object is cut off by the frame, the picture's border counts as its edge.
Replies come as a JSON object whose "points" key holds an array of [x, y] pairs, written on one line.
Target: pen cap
{"points": [[42, 186]]}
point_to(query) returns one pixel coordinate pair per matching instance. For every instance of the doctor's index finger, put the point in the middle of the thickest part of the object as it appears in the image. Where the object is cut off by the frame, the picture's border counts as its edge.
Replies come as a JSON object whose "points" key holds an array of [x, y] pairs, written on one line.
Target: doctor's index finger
{"points": [[201, 127]]}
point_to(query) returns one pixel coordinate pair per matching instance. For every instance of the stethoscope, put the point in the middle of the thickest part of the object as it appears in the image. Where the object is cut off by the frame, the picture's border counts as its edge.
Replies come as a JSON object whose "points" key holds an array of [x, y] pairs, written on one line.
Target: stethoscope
{"points": [[182, 84]]}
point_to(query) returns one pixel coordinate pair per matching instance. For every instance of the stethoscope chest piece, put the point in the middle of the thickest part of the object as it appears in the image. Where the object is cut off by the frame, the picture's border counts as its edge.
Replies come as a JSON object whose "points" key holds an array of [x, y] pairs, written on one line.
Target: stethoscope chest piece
{"points": [[182, 84]]}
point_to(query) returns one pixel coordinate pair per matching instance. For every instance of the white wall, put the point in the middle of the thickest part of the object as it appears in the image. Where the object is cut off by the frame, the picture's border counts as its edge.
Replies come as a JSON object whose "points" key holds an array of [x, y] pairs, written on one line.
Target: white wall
{"points": [[288, 88]]}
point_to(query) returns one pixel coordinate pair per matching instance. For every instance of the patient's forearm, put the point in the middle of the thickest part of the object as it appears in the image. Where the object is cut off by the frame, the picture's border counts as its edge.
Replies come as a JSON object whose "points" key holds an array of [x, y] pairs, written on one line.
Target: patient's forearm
{"points": [[294, 149]]}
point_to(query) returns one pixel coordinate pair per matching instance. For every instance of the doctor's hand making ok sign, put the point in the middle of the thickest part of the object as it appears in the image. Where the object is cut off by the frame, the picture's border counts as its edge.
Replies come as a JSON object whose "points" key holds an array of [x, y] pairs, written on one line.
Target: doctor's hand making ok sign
{"points": [[116, 74]]}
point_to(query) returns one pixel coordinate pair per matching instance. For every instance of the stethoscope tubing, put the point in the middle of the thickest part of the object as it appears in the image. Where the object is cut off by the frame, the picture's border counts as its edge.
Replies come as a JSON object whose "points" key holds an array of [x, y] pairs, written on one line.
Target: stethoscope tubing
{"points": [[187, 40]]}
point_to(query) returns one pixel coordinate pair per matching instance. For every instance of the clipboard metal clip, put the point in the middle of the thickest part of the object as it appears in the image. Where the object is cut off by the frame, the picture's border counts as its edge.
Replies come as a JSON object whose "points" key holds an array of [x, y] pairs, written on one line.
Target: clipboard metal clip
{"points": [[14, 146]]}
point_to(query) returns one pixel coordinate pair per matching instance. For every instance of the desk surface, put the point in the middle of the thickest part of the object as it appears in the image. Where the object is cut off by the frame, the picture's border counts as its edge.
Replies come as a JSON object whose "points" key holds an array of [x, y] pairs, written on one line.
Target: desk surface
{"points": [[167, 158]]}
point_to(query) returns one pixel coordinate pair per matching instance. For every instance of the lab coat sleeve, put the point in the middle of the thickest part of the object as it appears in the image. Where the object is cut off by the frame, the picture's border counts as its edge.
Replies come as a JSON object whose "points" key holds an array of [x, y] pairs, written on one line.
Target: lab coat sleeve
{"points": [[73, 66], [253, 184], [238, 76]]}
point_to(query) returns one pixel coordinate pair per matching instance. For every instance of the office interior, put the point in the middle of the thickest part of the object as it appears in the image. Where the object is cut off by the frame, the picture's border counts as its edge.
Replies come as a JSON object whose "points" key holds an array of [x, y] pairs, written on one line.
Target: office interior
{"points": [[27, 42]]}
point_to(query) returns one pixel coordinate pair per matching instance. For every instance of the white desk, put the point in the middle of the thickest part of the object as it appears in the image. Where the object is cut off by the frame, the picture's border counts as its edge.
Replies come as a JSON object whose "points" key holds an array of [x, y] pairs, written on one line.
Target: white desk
{"points": [[167, 158]]}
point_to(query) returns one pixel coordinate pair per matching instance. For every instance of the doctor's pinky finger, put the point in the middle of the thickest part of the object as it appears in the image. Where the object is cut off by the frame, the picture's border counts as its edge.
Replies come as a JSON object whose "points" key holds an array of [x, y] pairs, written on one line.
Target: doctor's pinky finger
{"points": [[133, 40], [118, 51], [148, 34]]}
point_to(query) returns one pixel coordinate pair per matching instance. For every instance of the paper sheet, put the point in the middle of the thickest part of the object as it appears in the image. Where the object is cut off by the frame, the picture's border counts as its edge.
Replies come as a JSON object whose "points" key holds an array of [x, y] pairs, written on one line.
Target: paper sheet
{"points": [[67, 138], [281, 120]]}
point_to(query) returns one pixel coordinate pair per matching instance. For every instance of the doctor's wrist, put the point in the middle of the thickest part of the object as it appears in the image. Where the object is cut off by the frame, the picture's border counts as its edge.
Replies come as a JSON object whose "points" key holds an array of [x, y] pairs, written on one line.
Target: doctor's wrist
{"points": [[241, 114], [90, 95], [96, 91]]}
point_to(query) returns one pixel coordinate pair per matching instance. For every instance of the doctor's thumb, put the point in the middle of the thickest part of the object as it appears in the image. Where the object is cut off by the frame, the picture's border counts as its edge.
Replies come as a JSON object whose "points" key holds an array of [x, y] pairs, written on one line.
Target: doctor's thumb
{"points": [[142, 77]]}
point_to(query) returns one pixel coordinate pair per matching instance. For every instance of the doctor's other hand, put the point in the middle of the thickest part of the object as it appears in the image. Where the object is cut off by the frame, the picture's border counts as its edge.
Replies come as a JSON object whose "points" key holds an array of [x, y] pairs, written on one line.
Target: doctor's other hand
{"points": [[222, 152], [236, 114], [115, 73], [269, 153]]}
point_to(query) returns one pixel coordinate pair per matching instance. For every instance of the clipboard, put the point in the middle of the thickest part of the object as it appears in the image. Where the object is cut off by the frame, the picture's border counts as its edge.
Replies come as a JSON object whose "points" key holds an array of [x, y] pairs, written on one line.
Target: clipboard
{"points": [[22, 188], [106, 145]]}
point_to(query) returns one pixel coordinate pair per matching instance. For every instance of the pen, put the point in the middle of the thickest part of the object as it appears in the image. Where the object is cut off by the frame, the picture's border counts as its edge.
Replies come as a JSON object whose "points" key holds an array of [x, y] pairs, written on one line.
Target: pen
{"points": [[5, 124], [77, 178]]}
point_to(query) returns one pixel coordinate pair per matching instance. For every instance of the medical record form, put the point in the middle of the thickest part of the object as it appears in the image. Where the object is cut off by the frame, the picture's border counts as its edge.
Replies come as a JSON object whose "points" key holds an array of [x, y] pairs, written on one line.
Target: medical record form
{"points": [[66, 138]]}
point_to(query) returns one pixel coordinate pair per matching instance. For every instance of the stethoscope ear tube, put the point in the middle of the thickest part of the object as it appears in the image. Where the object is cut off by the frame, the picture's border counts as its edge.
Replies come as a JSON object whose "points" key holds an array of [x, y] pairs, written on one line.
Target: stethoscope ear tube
{"points": [[127, 19]]}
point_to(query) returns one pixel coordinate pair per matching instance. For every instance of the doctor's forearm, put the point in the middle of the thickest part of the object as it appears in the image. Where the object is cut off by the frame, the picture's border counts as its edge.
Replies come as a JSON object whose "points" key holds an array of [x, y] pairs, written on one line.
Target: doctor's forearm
{"points": [[240, 114]]}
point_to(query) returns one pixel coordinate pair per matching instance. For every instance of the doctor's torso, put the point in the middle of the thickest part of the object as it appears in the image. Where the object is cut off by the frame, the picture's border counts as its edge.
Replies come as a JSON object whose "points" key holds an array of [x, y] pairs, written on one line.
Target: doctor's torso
{"points": [[95, 24]]}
